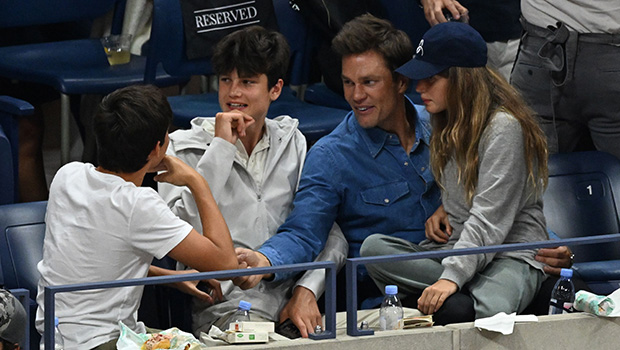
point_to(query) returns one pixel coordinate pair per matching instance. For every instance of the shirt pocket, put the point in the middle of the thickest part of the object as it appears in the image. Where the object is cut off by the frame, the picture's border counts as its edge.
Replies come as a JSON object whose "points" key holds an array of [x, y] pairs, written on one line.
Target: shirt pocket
{"points": [[386, 194]]}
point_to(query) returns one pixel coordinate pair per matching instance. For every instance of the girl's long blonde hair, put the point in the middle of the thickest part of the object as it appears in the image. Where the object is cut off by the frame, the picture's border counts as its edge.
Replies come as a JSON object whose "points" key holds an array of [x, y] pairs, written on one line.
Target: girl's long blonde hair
{"points": [[473, 96]]}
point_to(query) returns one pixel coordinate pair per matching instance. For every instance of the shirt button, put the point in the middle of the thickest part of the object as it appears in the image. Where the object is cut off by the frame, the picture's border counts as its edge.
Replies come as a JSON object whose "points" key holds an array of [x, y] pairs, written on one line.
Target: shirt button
{"points": [[423, 168], [259, 197], [406, 163], [386, 200]]}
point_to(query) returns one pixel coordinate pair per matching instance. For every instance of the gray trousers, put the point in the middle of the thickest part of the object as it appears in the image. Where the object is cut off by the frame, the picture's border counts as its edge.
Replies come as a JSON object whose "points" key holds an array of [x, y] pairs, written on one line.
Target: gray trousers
{"points": [[572, 82], [505, 285]]}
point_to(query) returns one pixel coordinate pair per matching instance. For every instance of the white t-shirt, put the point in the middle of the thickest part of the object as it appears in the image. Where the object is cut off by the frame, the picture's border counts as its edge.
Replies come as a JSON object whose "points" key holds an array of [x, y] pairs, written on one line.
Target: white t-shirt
{"points": [[100, 227]]}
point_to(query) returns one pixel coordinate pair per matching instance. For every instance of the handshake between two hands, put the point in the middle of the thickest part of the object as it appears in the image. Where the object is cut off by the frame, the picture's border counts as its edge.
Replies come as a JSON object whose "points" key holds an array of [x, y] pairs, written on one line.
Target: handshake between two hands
{"points": [[248, 258]]}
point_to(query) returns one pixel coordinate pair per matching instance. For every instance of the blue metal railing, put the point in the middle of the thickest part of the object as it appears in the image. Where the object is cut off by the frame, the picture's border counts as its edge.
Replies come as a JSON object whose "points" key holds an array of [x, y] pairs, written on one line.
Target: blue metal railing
{"points": [[353, 263], [330, 291]]}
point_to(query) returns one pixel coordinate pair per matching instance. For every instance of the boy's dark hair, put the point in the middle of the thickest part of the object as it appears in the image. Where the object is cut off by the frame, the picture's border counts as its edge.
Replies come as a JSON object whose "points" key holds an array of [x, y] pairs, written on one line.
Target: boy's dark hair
{"points": [[7, 345], [253, 50], [369, 33], [128, 124]]}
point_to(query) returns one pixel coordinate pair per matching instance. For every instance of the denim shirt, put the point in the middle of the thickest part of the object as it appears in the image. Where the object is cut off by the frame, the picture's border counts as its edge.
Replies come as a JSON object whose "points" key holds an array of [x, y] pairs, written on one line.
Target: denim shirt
{"points": [[365, 181]]}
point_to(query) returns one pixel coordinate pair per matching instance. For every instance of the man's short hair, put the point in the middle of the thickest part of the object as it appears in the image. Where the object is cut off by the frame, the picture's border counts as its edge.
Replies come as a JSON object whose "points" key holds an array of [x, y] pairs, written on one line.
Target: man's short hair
{"points": [[369, 33], [253, 51], [12, 320], [128, 124]]}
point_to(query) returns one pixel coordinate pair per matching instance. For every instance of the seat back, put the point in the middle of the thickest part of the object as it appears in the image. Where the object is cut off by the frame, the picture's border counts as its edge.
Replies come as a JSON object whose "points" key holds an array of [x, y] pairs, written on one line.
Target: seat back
{"points": [[7, 171], [22, 229], [10, 110], [17, 13], [583, 199], [168, 46]]}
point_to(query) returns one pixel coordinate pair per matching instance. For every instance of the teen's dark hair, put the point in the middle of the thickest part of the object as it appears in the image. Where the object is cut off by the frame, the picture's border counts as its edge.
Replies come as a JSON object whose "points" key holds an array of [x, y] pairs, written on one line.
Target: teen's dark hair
{"points": [[128, 124], [6, 345], [369, 33], [252, 51]]}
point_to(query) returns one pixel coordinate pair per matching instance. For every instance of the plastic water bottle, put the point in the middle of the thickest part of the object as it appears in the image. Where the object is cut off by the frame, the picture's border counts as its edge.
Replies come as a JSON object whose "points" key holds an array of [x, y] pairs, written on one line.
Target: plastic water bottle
{"points": [[59, 342], [391, 312], [242, 314], [563, 294]]}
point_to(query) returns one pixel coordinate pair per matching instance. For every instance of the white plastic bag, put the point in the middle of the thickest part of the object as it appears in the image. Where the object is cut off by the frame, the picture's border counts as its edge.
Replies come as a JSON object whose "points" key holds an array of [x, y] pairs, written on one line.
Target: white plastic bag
{"points": [[130, 340]]}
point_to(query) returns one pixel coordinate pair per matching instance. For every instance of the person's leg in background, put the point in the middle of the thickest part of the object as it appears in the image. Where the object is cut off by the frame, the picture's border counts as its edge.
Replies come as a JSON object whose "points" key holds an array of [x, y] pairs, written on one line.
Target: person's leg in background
{"points": [[597, 82]]}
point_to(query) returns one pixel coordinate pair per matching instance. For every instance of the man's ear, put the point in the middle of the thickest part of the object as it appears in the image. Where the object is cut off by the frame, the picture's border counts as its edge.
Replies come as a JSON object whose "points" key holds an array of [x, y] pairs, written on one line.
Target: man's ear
{"points": [[276, 90], [402, 83]]}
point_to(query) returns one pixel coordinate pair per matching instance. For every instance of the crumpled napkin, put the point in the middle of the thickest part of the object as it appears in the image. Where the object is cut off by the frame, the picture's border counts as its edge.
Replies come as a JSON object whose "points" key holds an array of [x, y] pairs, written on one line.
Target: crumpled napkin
{"points": [[600, 305], [503, 323]]}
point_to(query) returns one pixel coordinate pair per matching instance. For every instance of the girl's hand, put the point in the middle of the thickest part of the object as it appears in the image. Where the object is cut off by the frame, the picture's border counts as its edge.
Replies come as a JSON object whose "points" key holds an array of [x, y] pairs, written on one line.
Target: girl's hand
{"points": [[434, 296]]}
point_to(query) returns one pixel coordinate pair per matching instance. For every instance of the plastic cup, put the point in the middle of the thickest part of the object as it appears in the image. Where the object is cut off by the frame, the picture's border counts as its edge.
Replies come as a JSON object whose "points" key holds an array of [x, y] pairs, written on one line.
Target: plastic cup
{"points": [[117, 48]]}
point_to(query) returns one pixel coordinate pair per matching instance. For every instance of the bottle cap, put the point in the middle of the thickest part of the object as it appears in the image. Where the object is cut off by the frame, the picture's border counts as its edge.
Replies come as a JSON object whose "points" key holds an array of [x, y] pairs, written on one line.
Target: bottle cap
{"points": [[391, 289], [566, 273], [245, 305]]}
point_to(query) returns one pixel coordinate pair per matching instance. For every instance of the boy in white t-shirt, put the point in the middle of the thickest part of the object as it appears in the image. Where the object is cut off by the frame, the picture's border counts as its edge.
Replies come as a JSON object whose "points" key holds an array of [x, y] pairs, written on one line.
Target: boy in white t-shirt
{"points": [[101, 225]]}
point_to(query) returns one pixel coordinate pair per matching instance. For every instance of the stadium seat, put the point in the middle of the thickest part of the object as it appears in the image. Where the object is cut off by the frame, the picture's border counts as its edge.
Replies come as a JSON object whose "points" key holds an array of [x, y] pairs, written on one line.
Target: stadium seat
{"points": [[10, 110], [583, 199], [71, 67], [22, 229]]}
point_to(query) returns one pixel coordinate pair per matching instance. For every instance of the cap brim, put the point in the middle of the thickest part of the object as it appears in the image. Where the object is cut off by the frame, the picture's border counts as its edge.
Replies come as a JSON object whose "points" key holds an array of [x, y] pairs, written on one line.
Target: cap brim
{"points": [[417, 69]]}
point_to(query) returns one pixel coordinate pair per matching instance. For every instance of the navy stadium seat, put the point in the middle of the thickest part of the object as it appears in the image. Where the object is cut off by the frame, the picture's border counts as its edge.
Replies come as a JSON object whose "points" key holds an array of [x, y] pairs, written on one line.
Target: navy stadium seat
{"points": [[583, 199]]}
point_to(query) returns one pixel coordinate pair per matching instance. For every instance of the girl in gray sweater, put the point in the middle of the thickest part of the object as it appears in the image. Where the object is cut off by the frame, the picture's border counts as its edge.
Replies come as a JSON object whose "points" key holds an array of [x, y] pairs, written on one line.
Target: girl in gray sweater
{"points": [[489, 157]]}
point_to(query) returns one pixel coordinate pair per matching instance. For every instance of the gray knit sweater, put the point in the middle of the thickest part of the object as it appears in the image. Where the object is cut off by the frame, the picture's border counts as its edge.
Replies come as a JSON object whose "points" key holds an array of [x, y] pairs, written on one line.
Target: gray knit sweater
{"points": [[505, 207]]}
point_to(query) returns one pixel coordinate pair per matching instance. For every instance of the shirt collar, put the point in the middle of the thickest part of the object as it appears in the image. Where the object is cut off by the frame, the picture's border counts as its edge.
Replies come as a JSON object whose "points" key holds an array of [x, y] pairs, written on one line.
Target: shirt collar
{"points": [[376, 138]]}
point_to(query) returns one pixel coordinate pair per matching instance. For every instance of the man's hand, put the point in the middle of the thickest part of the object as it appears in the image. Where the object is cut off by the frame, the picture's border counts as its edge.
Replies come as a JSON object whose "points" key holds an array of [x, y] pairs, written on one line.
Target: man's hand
{"points": [[433, 10], [176, 172], [250, 258], [231, 125], [555, 259], [435, 295], [433, 226], [303, 310]]}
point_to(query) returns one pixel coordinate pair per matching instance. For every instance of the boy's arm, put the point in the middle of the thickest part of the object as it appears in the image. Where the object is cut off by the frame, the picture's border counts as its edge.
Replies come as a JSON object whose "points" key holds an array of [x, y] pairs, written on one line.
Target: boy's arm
{"points": [[214, 249]]}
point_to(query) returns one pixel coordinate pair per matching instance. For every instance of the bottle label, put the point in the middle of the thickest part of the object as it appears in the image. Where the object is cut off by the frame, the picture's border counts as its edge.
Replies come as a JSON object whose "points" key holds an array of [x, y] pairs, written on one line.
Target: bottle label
{"points": [[559, 307]]}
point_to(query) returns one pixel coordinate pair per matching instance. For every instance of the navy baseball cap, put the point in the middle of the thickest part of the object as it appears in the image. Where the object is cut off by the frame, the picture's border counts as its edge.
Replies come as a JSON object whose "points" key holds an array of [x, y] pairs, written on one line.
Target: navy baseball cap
{"points": [[445, 45]]}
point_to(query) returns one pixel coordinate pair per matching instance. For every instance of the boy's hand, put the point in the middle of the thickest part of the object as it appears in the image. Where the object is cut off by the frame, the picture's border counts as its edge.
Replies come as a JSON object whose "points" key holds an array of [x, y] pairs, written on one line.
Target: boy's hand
{"points": [[176, 172], [208, 291], [231, 125]]}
